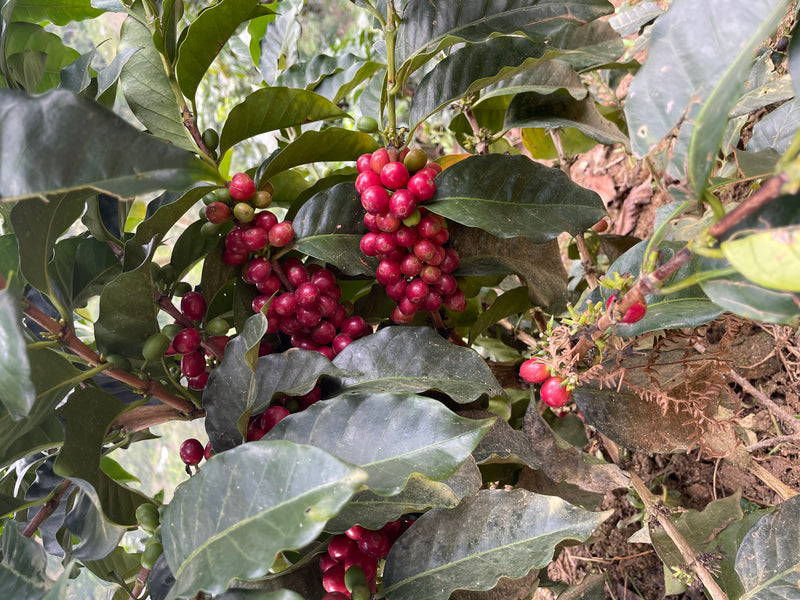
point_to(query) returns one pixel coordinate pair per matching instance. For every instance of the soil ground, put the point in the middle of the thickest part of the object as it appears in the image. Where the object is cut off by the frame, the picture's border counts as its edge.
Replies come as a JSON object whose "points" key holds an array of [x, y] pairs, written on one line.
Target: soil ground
{"points": [[766, 356]]}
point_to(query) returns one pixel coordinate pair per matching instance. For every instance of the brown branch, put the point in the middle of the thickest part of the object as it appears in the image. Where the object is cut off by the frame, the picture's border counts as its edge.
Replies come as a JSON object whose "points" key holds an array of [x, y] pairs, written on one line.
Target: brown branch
{"points": [[689, 555], [191, 126], [589, 270], [782, 439], [141, 581], [143, 417], [779, 412], [760, 198], [46, 510], [79, 348]]}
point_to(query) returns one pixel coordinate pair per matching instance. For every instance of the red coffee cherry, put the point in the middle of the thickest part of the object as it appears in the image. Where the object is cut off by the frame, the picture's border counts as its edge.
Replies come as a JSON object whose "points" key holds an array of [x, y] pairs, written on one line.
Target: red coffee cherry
{"points": [[553, 394], [242, 187], [193, 306], [191, 452], [534, 370]]}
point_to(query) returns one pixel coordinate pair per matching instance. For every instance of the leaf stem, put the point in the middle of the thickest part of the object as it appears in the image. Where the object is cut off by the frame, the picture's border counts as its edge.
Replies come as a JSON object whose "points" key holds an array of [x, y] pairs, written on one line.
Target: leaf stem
{"points": [[390, 33], [694, 280]]}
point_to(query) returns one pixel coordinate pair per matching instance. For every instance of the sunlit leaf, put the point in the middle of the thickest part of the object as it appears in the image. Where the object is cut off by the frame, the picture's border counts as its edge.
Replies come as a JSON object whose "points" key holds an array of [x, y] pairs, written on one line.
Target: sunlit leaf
{"points": [[22, 570], [17, 392]]}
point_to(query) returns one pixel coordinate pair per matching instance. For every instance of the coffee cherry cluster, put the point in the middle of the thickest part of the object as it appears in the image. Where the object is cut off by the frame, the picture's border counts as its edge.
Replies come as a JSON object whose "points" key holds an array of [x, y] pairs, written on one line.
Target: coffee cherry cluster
{"points": [[149, 520], [415, 267], [554, 392], [350, 566]]}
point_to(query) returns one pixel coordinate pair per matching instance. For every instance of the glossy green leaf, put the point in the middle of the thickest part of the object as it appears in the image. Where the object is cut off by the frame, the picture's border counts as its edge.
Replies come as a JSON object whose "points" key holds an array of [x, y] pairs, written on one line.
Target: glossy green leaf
{"points": [[127, 313], [122, 162], [171, 20], [590, 46], [17, 392], [631, 18], [547, 77], [472, 68], [338, 86], [472, 546], [22, 570], [331, 144], [746, 299], [260, 595], [770, 258], [190, 247], [244, 506], [146, 87], [278, 45], [509, 196], [556, 110], [509, 303], [61, 13], [411, 434], [86, 521], [709, 126], [108, 76], [168, 213], [76, 77], [689, 307], [39, 224], [429, 28], [330, 226], [30, 38], [205, 37], [53, 376], [89, 414], [274, 108], [80, 269], [768, 561], [119, 565], [234, 390], [308, 75], [372, 511], [777, 129], [45, 434], [414, 359], [672, 82]]}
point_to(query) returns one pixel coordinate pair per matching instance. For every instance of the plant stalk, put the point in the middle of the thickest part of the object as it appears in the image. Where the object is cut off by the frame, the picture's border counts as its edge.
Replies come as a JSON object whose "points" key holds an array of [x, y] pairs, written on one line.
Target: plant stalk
{"points": [[46, 510]]}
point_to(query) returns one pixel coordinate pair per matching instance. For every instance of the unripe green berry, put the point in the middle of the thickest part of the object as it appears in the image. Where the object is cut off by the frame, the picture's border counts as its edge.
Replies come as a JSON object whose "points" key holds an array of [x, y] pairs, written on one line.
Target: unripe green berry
{"points": [[210, 230], [147, 516], [261, 199], [360, 592], [217, 326], [150, 555], [155, 346], [415, 159], [243, 212], [354, 577], [210, 139], [223, 195], [413, 219], [367, 124], [181, 288]]}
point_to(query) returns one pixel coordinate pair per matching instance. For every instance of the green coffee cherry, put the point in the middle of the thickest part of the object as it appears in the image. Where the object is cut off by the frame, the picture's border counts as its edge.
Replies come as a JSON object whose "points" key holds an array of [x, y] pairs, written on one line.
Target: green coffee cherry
{"points": [[119, 361], [415, 159], [223, 195], [360, 592], [147, 516], [151, 554], [217, 326], [367, 124], [354, 577], [210, 230], [210, 139], [243, 212], [261, 199], [171, 330], [181, 288], [155, 346]]}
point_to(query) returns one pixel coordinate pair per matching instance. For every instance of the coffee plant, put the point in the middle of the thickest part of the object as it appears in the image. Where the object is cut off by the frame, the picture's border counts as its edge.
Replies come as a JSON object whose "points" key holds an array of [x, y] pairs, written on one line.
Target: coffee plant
{"points": [[393, 322]]}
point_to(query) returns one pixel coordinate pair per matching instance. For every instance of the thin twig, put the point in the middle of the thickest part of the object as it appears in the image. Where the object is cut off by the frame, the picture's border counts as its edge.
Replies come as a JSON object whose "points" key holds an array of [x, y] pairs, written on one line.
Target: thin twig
{"points": [[689, 555], [778, 411], [587, 261], [782, 439], [522, 336], [141, 581], [46, 510]]}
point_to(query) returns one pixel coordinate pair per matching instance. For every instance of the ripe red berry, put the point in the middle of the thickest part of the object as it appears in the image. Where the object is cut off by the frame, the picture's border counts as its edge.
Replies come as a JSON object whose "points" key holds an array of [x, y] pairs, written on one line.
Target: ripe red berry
{"points": [[354, 327], [186, 340], [199, 382], [242, 187], [375, 199], [425, 250], [394, 175], [193, 306], [269, 285], [450, 262], [387, 222], [421, 184], [324, 279], [326, 561], [257, 269], [411, 265], [430, 274], [218, 212], [635, 313], [374, 544], [401, 318], [272, 416], [388, 272], [340, 342], [368, 244], [193, 363], [553, 394], [285, 304], [457, 301], [534, 370], [447, 285], [355, 532], [191, 452], [366, 180], [234, 241], [362, 163], [431, 302], [397, 290], [323, 333], [416, 290], [281, 234], [333, 579], [255, 239], [308, 317], [265, 220], [208, 451], [307, 294], [405, 236], [379, 159], [402, 204], [429, 226], [340, 546]]}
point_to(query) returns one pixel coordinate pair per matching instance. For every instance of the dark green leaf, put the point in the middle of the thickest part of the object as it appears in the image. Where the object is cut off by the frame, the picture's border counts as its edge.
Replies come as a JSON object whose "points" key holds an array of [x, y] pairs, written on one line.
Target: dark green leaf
{"points": [[260, 595], [689, 307], [233, 389], [415, 359], [85, 520], [122, 162], [168, 213], [411, 434], [590, 45], [338, 86], [332, 144], [27, 38], [81, 268], [546, 78], [429, 28], [146, 86], [119, 565], [22, 570], [472, 546], [557, 110], [127, 313], [309, 74], [279, 44], [768, 561], [777, 129], [510, 303], [330, 226], [39, 224], [274, 108], [107, 76], [190, 247], [76, 77], [89, 414], [54, 376], [205, 37], [171, 18], [513, 195], [474, 67], [60, 13], [247, 504], [17, 392], [46, 434], [746, 299]]}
